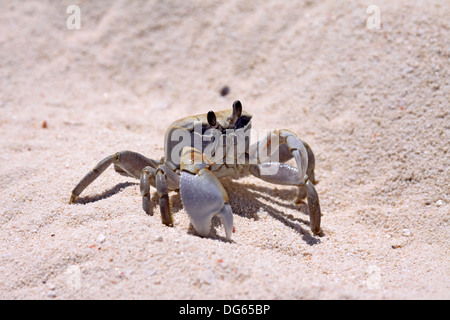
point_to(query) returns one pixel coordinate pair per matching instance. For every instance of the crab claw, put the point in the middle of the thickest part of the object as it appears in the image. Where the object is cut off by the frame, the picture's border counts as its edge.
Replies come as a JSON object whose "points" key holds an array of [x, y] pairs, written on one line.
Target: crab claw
{"points": [[203, 197]]}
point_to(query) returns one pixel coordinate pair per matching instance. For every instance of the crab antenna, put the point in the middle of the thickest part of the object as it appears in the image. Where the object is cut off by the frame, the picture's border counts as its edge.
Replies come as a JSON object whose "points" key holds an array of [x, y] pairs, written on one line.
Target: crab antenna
{"points": [[237, 110], [212, 118]]}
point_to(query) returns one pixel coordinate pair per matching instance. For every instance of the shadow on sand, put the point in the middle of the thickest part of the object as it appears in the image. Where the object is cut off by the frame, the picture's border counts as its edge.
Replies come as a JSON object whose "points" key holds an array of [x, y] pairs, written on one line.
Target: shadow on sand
{"points": [[244, 202]]}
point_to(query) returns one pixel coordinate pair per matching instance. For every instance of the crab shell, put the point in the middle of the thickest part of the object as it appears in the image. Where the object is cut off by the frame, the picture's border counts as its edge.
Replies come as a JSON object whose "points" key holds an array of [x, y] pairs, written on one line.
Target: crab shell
{"points": [[194, 132]]}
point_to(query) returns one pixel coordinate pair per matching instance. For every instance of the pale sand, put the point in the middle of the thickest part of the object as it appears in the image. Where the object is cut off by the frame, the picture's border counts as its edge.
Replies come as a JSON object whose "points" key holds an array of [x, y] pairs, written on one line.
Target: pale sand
{"points": [[373, 105]]}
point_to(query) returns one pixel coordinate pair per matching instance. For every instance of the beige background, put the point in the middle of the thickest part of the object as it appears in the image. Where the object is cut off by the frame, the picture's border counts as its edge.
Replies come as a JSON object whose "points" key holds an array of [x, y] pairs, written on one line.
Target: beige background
{"points": [[373, 105]]}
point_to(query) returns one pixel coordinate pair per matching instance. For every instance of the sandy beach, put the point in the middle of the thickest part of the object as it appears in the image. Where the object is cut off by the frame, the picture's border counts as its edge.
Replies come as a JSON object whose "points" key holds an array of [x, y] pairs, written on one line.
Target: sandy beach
{"points": [[373, 104]]}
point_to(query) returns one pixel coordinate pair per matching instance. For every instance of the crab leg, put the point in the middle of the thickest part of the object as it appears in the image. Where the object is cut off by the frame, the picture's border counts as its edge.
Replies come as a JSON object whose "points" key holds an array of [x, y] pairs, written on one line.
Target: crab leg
{"points": [[289, 175], [147, 177], [284, 152], [202, 194], [126, 162], [164, 180], [279, 173]]}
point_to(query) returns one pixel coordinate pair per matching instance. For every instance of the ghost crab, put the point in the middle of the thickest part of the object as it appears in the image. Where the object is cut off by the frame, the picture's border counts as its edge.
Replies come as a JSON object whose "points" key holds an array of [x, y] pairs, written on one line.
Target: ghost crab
{"points": [[205, 153]]}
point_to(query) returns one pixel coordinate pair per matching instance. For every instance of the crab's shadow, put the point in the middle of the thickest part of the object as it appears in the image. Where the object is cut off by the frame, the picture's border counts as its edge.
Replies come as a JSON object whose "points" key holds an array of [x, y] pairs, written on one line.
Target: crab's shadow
{"points": [[105, 194], [245, 201]]}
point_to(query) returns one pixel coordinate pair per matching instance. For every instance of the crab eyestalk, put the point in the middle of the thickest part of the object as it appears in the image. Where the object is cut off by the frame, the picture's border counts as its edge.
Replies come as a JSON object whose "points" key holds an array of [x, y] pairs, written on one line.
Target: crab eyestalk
{"points": [[237, 111], [211, 117]]}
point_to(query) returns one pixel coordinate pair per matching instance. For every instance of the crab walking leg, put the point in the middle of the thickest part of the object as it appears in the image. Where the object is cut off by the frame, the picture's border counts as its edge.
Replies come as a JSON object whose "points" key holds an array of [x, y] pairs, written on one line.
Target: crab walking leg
{"points": [[285, 174], [202, 194], [289, 146], [289, 175], [164, 180], [302, 191], [311, 163], [125, 162], [164, 203], [284, 154], [306, 188], [315, 214], [147, 177], [275, 172]]}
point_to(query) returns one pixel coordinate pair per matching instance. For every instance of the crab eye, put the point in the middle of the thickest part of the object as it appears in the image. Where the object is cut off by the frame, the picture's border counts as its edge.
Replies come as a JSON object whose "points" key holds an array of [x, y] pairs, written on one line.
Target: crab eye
{"points": [[212, 118], [237, 111], [242, 122]]}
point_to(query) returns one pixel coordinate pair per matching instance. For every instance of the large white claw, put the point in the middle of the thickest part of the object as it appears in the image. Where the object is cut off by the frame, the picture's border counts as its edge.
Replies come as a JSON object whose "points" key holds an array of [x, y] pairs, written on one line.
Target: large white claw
{"points": [[203, 197]]}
